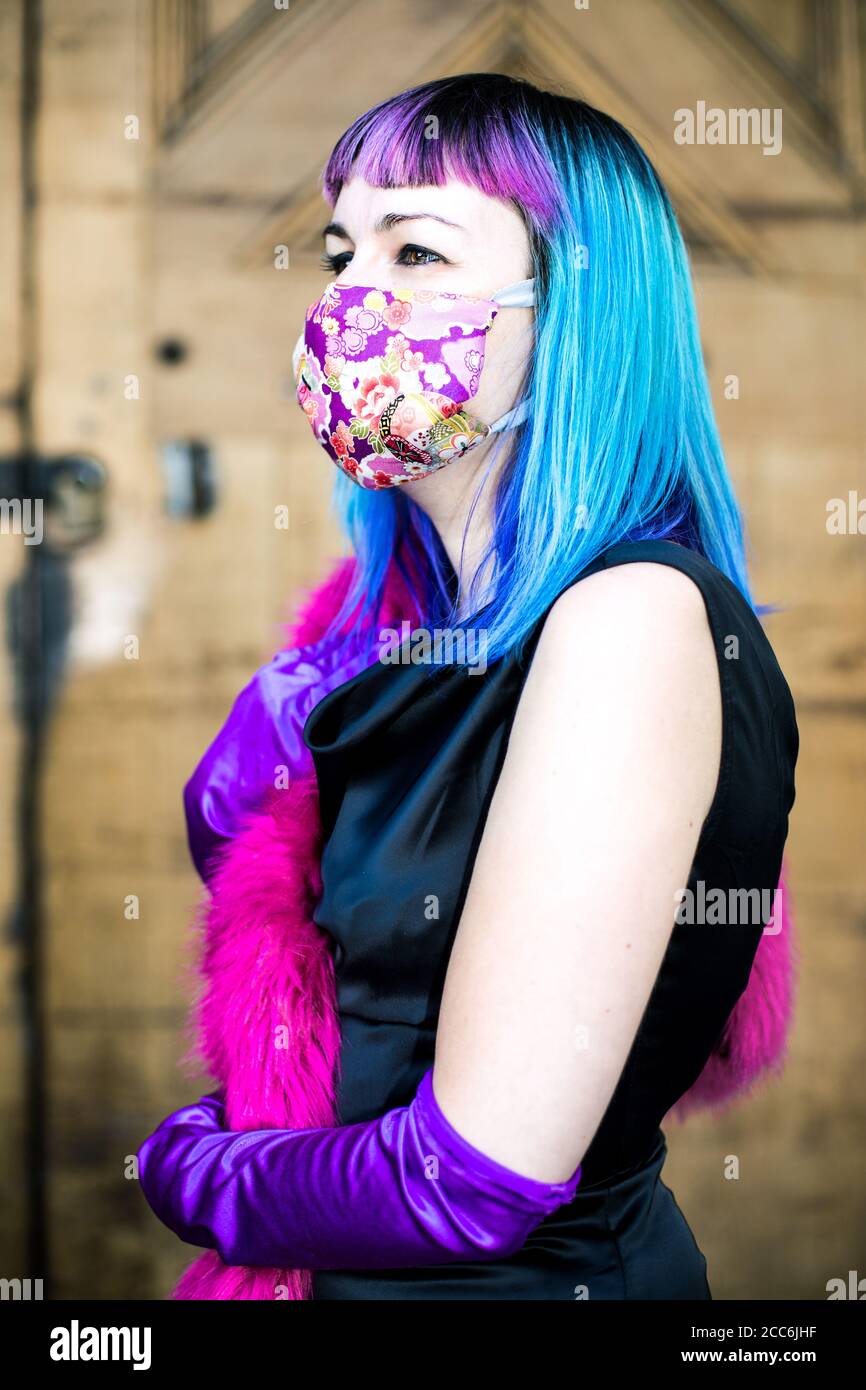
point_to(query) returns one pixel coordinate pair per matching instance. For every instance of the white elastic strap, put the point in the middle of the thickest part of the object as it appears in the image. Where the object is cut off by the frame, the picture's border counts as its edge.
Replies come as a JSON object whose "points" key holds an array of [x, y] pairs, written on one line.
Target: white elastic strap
{"points": [[513, 417], [520, 295]]}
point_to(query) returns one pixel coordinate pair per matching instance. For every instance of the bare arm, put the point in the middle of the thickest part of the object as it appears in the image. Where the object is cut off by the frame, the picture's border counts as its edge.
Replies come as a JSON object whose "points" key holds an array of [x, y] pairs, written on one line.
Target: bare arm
{"points": [[610, 771]]}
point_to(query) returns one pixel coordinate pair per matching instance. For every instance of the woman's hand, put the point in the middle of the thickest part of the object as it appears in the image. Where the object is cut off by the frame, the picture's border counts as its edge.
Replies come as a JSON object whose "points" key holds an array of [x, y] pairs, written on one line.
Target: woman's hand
{"points": [[192, 1134]]}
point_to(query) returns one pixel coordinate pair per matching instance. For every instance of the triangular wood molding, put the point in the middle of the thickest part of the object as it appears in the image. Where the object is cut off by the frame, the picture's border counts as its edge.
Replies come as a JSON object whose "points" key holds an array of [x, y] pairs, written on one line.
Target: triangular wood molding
{"points": [[591, 54]]}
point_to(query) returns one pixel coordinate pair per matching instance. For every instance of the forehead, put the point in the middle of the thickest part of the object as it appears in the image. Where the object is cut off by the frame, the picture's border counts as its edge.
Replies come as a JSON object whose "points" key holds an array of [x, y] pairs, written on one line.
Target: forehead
{"points": [[360, 206]]}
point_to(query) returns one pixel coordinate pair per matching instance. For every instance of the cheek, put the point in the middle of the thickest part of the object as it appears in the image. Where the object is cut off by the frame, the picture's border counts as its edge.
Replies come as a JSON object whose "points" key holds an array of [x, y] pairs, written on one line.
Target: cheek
{"points": [[507, 351]]}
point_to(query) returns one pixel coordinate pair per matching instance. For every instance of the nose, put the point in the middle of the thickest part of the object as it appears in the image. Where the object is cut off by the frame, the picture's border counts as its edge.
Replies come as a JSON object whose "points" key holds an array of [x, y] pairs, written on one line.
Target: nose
{"points": [[369, 267], [353, 275]]}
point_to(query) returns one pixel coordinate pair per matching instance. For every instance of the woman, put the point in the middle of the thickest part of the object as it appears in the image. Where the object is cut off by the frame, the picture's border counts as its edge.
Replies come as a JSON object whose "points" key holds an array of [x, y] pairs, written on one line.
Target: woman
{"points": [[520, 811]]}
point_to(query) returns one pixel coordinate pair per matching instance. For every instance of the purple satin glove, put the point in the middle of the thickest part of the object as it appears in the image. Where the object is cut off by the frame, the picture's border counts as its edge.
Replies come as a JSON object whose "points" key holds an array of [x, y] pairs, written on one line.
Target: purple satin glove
{"points": [[401, 1191]]}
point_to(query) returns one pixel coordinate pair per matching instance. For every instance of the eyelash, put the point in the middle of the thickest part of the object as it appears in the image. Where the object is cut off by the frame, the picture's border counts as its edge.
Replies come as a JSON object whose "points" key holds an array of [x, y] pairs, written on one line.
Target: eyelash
{"points": [[337, 264]]}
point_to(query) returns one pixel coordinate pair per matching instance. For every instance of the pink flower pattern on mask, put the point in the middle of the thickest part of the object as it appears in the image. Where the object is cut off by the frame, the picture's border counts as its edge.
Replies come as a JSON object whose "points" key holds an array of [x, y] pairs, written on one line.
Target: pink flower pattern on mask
{"points": [[384, 377]]}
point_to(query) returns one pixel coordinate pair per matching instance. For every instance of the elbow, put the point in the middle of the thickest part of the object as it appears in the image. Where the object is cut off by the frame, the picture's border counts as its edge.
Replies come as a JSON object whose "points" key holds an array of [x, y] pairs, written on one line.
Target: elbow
{"points": [[469, 1241], [483, 1211], [512, 1239]]}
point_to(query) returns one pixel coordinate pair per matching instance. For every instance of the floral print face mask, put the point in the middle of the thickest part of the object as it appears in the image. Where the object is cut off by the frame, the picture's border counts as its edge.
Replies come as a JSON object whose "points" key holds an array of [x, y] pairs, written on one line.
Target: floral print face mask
{"points": [[384, 378]]}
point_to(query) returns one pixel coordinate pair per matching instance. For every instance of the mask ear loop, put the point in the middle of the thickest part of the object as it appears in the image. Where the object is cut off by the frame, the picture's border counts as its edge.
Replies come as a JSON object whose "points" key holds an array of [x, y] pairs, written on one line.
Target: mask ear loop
{"points": [[511, 418], [520, 295]]}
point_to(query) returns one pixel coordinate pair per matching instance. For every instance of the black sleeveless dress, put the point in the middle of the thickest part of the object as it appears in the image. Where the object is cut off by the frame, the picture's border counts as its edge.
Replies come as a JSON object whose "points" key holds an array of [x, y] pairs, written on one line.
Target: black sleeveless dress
{"points": [[407, 764]]}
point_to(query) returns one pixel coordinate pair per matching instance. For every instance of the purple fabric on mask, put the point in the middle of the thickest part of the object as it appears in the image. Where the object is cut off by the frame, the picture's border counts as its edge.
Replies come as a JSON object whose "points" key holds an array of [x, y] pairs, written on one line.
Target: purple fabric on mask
{"points": [[263, 734]]}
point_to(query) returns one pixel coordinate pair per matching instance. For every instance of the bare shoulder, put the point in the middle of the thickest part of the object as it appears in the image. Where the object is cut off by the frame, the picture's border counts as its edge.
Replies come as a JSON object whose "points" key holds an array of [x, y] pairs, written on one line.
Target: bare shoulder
{"points": [[642, 616], [626, 659], [630, 596]]}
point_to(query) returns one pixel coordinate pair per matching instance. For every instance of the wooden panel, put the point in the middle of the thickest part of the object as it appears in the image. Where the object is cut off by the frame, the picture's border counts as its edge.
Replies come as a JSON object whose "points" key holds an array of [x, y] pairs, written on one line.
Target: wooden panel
{"points": [[12, 556], [795, 1217], [789, 27], [114, 1077]]}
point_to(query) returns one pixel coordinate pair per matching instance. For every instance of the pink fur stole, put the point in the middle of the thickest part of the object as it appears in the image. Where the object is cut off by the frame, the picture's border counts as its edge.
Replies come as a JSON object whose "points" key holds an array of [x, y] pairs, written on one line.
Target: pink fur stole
{"points": [[266, 1023]]}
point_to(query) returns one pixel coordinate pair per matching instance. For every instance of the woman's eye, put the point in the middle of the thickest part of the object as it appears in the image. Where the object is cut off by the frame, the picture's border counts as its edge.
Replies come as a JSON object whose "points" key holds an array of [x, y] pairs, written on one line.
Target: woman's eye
{"points": [[418, 255], [336, 264], [407, 256]]}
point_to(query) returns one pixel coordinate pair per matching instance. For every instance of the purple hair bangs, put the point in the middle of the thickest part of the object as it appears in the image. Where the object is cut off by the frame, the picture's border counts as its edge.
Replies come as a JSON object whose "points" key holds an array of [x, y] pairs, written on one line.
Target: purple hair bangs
{"points": [[452, 129]]}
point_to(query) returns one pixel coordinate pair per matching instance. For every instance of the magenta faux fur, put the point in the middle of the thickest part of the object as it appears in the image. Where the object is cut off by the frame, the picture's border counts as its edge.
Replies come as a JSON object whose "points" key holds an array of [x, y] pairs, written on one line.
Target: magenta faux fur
{"points": [[267, 1018], [266, 1025]]}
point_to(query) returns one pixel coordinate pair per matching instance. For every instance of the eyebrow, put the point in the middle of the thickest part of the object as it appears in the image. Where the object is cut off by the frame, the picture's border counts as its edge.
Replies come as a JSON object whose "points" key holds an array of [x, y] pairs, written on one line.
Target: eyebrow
{"points": [[389, 220]]}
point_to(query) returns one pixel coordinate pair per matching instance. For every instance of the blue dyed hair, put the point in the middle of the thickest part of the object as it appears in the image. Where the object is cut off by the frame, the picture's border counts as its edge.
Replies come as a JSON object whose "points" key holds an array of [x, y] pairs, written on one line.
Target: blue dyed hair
{"points": [[621, 442]]}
